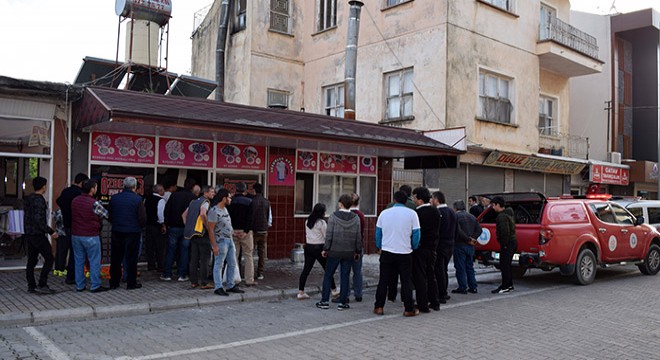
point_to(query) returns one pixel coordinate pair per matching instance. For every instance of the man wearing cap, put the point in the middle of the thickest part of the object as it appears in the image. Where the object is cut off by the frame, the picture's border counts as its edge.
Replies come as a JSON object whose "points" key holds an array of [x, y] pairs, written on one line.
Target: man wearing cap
{"points": [[128, 217]]}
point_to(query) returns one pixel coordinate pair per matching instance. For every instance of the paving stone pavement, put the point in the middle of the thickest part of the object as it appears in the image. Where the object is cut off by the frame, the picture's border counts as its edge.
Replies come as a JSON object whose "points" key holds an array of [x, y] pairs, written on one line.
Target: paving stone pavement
{"points": [[17, 306], [547, 317]]}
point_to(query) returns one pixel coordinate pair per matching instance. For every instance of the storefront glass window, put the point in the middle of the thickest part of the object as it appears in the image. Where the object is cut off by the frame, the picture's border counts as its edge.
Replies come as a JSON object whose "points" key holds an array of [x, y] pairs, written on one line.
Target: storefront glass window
{"points": [[25, 136], [368, 195], [304, 193]]}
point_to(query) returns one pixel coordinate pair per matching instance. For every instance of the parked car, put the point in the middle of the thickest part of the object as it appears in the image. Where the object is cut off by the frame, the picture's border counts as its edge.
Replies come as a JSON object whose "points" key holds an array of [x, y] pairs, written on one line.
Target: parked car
{"points": [[576, 235], [649, 209]]}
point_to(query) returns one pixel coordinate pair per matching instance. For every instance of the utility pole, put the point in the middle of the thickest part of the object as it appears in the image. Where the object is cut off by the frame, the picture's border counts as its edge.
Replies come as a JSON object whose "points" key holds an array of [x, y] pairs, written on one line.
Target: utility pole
{"points": [[609, 111]]}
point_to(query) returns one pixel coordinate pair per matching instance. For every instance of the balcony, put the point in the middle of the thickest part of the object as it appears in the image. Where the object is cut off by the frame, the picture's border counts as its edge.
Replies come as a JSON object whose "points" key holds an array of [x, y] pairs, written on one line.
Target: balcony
{"points": [[565, 50]]}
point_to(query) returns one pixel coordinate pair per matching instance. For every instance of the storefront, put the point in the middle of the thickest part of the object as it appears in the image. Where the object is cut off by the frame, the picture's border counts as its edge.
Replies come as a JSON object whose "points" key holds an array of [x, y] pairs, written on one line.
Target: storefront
{"points": [[32, 119], [301, 158], [644, 179]]}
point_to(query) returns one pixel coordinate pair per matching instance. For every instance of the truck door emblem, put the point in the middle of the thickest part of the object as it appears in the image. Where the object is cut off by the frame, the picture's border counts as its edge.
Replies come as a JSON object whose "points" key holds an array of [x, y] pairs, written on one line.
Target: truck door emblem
{"points": [[484, 238], [612, 243]]}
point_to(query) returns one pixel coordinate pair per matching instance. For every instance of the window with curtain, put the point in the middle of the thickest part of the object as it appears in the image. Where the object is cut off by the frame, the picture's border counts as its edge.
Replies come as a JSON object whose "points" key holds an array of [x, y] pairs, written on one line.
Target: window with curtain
{"points": [[494, 98]]}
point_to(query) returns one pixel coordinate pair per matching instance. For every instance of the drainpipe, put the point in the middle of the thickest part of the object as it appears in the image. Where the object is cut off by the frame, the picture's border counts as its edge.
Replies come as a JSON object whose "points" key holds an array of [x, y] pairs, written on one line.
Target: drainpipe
{"points": [[351, 58], [221, 45]]}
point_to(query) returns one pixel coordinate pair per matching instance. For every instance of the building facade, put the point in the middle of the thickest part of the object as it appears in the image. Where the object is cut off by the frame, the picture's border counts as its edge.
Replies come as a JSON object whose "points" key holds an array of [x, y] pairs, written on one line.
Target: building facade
{"points": [[499, 69]]}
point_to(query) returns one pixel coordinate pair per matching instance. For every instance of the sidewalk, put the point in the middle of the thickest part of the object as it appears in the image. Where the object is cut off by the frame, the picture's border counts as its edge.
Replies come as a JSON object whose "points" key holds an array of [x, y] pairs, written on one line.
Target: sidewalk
{"points": [[18, 307]]}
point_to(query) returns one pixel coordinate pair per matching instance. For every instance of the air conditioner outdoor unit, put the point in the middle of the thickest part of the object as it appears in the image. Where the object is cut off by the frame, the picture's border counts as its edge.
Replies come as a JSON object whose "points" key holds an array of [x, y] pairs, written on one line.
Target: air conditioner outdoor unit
{"points": [[614, 157]]}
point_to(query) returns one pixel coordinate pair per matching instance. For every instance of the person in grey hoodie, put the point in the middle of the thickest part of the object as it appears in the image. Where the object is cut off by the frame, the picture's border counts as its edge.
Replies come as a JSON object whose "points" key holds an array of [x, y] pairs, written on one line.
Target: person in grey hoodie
{"points": [[343, 245]]}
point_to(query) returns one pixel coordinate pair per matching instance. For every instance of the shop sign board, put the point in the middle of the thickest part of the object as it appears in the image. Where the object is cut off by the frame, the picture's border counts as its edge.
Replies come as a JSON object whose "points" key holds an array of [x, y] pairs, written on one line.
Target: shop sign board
{"points": [[604, 174], [180, 152], [367, 165], [338, 163], [281, 171], [123, 148], [112, 184], [241, 157], [307, 160], [532, 163]]}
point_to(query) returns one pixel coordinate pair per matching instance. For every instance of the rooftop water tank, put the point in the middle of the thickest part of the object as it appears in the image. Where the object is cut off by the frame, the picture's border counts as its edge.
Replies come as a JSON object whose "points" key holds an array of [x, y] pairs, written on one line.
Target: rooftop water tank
{"points": [[158, 11]]}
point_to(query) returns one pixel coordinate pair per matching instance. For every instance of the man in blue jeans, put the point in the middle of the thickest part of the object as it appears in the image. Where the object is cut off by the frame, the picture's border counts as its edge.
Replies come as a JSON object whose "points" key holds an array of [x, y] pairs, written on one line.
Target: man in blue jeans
{"points": [[174, 208], [87, 214], [221, 237], [467, 231]]}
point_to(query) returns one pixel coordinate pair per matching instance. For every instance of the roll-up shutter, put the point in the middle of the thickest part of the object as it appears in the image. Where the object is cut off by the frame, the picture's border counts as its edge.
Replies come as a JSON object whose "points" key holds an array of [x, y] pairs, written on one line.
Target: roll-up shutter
{"points": [[528, 181], [450, 181], [484, 180], [554, 185]]}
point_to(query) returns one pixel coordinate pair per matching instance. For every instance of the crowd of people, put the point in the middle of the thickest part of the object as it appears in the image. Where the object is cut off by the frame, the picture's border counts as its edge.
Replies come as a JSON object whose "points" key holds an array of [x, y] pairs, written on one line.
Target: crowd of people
{"points": [[183, 225], [416, 236]]}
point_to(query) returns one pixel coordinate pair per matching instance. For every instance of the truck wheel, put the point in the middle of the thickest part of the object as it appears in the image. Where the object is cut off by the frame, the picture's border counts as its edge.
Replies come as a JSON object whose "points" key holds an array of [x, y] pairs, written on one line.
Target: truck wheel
{"points": [[651, 264], [585, 267]]}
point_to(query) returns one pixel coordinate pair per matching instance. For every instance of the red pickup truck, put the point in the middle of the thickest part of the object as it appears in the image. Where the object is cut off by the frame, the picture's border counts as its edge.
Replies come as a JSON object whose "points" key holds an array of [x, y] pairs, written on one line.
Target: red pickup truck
{"points": [[575, 235]]}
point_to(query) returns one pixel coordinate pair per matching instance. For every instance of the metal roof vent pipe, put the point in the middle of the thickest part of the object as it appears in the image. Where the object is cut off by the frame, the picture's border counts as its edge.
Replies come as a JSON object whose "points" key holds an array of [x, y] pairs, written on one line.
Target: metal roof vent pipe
{"points": [[221, 45], [351, 58]]}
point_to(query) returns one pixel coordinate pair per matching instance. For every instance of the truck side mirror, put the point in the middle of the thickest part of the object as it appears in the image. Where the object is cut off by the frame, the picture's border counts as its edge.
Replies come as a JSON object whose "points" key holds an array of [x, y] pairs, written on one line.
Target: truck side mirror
{"points": [[640, 220]]}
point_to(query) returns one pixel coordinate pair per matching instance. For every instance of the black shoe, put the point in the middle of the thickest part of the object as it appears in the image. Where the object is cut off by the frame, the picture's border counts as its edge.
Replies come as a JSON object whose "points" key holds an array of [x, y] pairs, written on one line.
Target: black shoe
{"points": [[70, 281], [220, 292], [435, 308], [102, 289], [472, 291], [81, 290], [442, 301], [136, 286], [459, 291], [235, 290], [32, 290], [322, 305], [45, 290], [496, 291], [447, 297], [344, 306], [505, 290], [423, 310], [358, 299], [337, 301]]}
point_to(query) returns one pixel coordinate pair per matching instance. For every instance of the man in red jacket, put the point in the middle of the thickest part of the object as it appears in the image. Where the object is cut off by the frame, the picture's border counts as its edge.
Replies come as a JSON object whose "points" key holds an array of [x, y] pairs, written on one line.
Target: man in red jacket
{"points": [[86, 216]]}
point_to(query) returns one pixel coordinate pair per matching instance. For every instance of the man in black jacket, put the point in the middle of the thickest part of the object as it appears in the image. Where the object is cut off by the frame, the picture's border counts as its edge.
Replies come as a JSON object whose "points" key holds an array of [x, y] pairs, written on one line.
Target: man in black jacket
{"points": [[36, 228], [156, 243], [174, 208], [445, 247], [240, 212], [467, 233], [426, 287], [262, 219], [505, 231], [63, 246]]}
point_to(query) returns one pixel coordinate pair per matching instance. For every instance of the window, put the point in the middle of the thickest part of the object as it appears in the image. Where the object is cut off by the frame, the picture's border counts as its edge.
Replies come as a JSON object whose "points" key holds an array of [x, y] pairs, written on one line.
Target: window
{"points": [[494, 98], [604, 212], [399, 86], [502, 4], [548, 14], [327, 11], [328, 189], [278, 99], [623, 217], [279, 15], [548, 123], [334, 100], [240, 15], [393, 2], [654, 215]]}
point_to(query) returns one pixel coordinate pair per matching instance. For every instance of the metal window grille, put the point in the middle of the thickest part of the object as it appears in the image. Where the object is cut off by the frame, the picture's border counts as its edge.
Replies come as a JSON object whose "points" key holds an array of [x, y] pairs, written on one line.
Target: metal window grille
{"points": [[327, 14], [279, 15]]}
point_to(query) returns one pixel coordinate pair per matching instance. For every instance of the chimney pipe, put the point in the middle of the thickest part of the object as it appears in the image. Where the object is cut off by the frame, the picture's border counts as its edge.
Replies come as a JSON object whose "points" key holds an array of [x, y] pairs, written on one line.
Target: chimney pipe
{"points": [[221, 45], [351, 58]]}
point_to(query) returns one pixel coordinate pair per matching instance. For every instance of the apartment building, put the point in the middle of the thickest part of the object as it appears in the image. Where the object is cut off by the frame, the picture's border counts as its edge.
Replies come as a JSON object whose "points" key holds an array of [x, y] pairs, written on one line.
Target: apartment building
{"points": [[500, 69]]}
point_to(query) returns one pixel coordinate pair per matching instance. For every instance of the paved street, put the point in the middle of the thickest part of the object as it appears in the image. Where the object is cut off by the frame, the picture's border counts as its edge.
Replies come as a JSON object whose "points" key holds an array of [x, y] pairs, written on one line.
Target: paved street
{"points": [[545, 318]]}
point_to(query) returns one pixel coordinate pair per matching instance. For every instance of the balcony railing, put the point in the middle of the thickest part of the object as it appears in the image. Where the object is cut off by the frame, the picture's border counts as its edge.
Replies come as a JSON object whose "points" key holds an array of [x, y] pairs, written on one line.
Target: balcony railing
{"points": [[556, 30]]}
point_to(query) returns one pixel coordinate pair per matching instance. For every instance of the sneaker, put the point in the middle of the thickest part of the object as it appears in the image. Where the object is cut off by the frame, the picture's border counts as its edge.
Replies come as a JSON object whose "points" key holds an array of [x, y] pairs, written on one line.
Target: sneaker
{"points": [[99, 289], [505, 290], [81, 290], [322, 305], [459, 291], [496, 291], [32, 290], [165, 278], [335, 293], [235, 290], [45, 290], [358, 298], [472, 291], [220, 292], [337, 301], [302, 296], [183, 278], [341, 307], [260, 276]]}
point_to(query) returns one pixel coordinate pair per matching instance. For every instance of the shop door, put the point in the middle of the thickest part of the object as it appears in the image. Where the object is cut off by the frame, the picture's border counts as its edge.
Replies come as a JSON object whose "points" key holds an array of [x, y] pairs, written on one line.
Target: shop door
{"points": [[176, 176], [229, 180]]}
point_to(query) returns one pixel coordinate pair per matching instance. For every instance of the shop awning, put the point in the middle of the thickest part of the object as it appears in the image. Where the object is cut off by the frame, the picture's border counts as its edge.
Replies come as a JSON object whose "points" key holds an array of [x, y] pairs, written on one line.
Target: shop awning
{"points": [[104, 109]]}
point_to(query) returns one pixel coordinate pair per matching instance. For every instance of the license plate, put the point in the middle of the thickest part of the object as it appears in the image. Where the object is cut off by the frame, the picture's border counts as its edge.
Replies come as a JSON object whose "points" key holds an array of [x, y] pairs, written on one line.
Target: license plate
{"points": [[496, 256]]}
